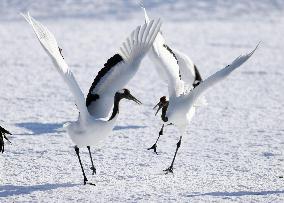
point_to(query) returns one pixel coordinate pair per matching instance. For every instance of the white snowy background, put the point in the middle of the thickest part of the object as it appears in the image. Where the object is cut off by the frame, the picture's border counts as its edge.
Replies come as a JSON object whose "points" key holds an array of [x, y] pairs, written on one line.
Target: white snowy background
{"points": [[233, 150]]}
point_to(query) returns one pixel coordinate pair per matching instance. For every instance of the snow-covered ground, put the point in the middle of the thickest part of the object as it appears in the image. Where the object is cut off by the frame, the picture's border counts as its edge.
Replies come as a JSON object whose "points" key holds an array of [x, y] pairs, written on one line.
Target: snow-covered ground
{"points": [[234, 147]]}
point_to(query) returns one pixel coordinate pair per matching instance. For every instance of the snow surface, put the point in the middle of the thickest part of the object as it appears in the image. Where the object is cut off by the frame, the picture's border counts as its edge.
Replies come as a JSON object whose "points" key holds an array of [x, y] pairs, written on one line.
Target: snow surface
{"points": [[233, 150]]}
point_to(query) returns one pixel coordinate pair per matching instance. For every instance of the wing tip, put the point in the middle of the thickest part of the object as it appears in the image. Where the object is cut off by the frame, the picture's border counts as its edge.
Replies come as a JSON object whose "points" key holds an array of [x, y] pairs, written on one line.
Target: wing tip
{"points": [[28, 17], [256, 47], [141, 4], [25, 16], [247, 56]]}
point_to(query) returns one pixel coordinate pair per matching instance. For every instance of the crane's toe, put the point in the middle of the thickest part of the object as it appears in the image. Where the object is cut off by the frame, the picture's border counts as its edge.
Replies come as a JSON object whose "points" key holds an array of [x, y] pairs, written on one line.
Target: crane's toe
{"points": [[94, 170], [154, 147], [169, 170]]}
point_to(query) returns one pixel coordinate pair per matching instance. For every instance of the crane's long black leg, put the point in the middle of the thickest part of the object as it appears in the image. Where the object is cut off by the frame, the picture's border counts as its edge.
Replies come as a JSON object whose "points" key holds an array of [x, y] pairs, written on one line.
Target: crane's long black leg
{"points": [[1, 143], [77, 152], [154, 147], [170, 169], [93, 167]]}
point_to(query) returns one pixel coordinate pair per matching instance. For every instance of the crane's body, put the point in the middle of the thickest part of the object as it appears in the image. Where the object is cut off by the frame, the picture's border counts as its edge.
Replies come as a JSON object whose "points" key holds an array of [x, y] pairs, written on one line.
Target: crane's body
{"points": [[107, 90], [179, 110], [184, 82], [180, 75]]}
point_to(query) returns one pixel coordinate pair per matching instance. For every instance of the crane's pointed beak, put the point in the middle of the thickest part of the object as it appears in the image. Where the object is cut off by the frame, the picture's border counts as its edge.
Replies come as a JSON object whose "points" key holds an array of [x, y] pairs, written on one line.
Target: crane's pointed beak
{"points": [[131, 97]]}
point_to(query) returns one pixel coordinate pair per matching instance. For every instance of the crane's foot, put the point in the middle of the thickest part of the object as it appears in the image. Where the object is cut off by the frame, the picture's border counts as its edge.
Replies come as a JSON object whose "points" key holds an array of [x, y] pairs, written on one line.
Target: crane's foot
{"points": [[85, 180], [154, 147], [93, 184], [169, 170], [94, 170]]}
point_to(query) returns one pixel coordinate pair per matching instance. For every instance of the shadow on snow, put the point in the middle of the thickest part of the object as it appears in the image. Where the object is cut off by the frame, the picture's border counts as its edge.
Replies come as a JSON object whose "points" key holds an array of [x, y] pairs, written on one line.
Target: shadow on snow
{"points": [[10, 190], [50, 128], [119, 127], [237, 194], [41, 128]]}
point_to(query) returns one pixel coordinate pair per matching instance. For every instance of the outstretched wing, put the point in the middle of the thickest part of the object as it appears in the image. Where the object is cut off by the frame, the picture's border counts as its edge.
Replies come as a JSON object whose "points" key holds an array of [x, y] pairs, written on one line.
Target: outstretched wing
{"points": [[120, 68], [188, 71], [49, 43], [194, 94], [166, 62], [189, 74]]}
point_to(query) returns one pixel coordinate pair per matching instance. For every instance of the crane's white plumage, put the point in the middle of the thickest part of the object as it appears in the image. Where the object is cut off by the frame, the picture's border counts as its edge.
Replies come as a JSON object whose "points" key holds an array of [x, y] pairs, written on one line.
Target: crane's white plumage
{"points": [[175, 68], [185, 103], [93, 123], [217, 77], [184, 82], [179, 110], [132, 51], [49, 43], [186, 67]]}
